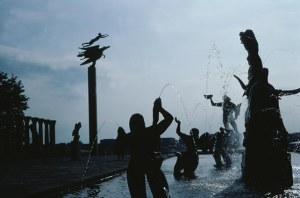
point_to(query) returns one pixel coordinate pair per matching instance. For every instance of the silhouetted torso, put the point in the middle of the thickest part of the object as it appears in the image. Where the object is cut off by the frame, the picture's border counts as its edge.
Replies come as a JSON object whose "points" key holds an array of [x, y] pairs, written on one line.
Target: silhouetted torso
{"points": [[141, 143], [189, 142]]}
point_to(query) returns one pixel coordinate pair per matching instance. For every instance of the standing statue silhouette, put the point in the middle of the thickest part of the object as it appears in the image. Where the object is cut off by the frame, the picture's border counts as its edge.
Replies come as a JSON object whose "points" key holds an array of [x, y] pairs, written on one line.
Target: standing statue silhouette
{"points": [[266, 163], [143, 161], [228, 109]]}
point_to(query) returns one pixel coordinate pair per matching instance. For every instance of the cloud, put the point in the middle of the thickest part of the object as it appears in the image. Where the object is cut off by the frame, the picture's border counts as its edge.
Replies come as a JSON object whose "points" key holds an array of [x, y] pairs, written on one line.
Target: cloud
{"points": [[57, 63]]}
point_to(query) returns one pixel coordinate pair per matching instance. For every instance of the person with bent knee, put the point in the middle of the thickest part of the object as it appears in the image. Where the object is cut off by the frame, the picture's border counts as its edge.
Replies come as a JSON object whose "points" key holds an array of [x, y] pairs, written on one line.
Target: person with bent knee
{"points": [[140, 142]]}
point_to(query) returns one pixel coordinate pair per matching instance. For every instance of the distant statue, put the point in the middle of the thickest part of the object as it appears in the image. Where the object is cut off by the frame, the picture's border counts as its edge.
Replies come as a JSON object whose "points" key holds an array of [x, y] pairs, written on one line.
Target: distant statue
{"points": [[75, 144], [228, 109], [188, 160], [92, 53], [220, 149], [119, 147], [76, 131], [92, 41]]}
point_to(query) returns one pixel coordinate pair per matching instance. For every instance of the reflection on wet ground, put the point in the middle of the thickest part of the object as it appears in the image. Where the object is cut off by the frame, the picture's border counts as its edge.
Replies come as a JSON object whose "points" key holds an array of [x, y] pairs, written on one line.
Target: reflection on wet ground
{"points": [[208, 182]]}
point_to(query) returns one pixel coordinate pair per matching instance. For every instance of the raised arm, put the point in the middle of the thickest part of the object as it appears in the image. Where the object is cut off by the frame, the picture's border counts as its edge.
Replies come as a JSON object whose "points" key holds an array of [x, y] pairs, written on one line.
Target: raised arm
{"points": [[162, 126], [219, 104], [178, 126]]}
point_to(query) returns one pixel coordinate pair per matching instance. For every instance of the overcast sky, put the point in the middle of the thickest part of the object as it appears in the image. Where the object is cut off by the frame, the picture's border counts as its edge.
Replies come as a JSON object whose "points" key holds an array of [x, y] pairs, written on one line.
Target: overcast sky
{"points": [[192, 45]]}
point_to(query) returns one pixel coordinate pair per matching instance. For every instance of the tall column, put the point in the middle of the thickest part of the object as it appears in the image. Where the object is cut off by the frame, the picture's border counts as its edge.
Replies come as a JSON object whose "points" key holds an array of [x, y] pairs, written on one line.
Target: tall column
{"points": [[26, 120], [20, 132], [47, 122], [34, 137], [52, 135], [92, 109], [41, 121]]}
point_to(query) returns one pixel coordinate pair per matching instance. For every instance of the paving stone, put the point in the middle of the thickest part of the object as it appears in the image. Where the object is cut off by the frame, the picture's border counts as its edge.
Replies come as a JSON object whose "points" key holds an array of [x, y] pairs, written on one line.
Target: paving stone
{"points": [[41, 177]]}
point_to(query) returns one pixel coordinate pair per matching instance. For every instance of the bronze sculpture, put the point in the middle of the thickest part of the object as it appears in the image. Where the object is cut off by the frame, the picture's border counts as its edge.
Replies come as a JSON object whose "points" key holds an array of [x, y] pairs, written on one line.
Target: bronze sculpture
{"points": [[266, 163], [92, 53]]}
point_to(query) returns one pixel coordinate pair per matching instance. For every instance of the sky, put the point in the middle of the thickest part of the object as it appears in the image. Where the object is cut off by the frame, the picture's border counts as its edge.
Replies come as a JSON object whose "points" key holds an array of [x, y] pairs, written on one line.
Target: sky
{"points": [[192, 45]]}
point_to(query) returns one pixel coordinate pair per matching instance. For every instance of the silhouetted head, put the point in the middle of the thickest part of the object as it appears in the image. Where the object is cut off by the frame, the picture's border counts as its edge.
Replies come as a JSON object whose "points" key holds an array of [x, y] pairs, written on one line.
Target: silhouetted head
{"points": [[249, 33], [248, 39], [194, 132], [121, 131], [226, 98], [136, 122]]}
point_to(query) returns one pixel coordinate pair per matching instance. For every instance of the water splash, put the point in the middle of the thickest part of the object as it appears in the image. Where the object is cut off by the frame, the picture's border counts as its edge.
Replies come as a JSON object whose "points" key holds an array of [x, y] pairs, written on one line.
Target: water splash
{"points": [[194, 112], [212, 51], [86, 167], [180, 100], [280, 50], [230, 76]]}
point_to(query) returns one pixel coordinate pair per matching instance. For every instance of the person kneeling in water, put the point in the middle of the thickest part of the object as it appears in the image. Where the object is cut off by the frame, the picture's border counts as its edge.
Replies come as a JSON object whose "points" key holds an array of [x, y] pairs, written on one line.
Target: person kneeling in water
{"points": [[140, 141], [188, 160]]}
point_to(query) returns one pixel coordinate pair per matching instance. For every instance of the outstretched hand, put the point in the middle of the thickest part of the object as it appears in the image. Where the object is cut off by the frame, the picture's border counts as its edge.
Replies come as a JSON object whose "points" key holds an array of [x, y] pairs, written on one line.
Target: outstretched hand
{"points": [[177, 121]]}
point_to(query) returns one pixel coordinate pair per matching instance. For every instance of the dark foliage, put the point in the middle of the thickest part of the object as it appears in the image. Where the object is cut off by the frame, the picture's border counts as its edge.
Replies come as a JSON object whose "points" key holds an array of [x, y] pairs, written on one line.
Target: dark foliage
{"points": [[13, 103]]}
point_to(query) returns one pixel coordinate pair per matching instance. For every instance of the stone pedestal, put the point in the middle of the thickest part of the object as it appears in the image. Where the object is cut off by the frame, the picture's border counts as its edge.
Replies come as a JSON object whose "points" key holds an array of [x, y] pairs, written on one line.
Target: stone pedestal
{"points": [[75, 150], [280, 170]]}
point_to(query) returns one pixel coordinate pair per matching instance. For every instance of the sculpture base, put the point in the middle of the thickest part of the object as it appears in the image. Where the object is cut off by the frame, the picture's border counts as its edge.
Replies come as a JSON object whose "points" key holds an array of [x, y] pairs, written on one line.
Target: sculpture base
{"points": [[75, 151], [271, 173]]}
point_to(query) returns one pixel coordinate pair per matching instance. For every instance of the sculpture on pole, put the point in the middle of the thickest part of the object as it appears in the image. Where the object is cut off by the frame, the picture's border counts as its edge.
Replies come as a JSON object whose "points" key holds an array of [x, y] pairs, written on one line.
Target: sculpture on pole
{"points": [[92, 54]]}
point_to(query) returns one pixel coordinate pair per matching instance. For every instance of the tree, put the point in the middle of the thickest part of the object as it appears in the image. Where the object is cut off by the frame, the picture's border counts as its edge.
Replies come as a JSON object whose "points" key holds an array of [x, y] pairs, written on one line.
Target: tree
{"points": [[13, 103]]}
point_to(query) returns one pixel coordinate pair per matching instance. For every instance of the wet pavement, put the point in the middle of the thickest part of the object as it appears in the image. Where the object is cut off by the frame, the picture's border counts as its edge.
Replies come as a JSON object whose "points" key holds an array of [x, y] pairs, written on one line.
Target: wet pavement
{"points": [[42, 177], [207, 182], [48, 176]]}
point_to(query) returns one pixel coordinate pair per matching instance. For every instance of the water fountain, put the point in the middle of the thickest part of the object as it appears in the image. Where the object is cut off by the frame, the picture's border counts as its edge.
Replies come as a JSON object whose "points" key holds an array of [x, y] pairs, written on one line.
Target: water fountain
{"points": [[208, 181], [92, 146]]}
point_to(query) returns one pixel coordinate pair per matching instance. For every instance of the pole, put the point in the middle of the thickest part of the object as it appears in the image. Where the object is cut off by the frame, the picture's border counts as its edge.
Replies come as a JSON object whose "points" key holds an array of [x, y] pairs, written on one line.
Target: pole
{"points": [[93, 109]]}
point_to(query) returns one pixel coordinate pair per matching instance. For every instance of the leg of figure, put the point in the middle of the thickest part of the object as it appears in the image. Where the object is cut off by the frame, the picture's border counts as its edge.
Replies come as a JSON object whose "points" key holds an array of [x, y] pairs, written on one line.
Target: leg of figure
{"points": [[226, 122], [178, 166], [234, 126], [158, 183], [136, 181], [191, 165], [217, 157], [226, 157]]}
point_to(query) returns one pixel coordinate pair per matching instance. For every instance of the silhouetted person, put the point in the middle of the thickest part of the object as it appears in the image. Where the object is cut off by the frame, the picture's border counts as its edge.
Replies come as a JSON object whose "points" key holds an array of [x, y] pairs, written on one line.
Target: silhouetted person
{"points": [[92, 41], [75, 132], [220, 150], [206, 143], [255, 64], [119, 146], [140, 141], [188, 160], [228, 108]]}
